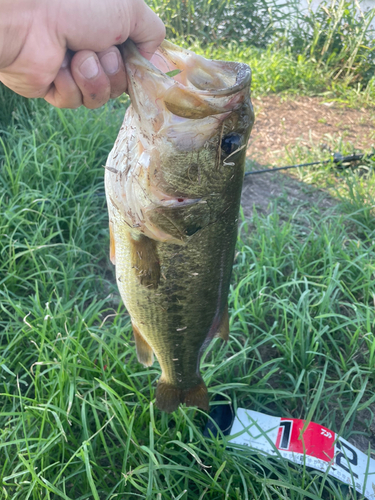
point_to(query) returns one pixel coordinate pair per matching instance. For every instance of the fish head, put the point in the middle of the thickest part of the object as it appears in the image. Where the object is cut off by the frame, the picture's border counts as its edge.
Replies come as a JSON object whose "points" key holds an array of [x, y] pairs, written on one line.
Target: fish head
{"points": [[180, 153]]}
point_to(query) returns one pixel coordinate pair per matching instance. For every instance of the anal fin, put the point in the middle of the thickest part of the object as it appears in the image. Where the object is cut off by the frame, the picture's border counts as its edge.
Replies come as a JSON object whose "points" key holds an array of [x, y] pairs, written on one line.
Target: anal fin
{"points": [[144, 351], [223, 328]]}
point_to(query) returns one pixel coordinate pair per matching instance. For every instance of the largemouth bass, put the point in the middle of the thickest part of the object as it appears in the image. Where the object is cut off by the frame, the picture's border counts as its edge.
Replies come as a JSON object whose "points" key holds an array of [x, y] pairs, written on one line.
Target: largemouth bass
{"points": [[173, 185]]}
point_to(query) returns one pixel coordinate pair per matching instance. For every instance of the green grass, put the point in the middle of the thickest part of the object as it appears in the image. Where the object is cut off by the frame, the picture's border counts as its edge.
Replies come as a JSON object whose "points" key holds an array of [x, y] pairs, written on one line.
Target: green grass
{"points": [[77, 414], [329, 50], [282, 70]]}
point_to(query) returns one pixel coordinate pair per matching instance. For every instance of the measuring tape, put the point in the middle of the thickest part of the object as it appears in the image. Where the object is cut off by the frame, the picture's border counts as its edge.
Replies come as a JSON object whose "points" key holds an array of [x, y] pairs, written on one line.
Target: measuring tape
{"points": [[316, 447]]}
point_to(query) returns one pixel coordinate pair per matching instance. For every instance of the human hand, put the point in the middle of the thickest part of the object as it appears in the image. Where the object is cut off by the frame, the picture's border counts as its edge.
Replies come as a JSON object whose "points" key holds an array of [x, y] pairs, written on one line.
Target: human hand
{"points": [[65, 51]]}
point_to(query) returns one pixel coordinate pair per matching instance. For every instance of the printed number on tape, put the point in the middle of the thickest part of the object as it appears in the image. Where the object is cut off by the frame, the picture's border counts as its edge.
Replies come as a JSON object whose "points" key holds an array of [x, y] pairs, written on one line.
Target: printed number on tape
{"points": [[317, 447]]}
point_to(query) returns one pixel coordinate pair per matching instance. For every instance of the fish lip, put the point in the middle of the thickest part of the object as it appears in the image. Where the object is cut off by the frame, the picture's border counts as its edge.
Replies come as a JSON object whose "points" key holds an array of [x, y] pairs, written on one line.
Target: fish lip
{"points": [[242, 70]]}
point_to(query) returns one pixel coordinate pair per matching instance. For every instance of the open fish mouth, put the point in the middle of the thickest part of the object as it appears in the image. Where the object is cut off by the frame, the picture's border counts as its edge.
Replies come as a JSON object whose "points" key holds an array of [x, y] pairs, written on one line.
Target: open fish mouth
{"points": [[211, 78], [201, 88]]}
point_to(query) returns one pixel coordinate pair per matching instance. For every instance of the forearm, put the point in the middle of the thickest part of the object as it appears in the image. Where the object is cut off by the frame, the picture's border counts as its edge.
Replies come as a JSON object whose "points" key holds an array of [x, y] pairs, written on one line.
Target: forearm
{"points": [[15, 18]]}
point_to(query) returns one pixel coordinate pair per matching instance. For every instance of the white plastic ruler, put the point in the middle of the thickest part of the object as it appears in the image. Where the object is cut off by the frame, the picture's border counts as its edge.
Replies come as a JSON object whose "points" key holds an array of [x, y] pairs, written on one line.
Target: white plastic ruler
{"points": [[317, 447]]}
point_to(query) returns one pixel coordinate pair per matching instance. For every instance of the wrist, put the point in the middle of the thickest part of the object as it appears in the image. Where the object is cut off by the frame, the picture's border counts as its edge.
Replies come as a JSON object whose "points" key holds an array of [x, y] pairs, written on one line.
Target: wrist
{"points": [[15, 18]]}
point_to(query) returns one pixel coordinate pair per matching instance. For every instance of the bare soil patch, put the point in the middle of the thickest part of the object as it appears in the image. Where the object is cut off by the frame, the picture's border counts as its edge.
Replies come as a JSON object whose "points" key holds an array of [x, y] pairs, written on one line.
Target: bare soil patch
{"points": [[290, 121], [261, 191], [282, 122]]}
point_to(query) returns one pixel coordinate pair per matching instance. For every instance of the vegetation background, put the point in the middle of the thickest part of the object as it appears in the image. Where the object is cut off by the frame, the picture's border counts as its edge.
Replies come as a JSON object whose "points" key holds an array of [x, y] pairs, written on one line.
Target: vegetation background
{"points": [[77, 415]]}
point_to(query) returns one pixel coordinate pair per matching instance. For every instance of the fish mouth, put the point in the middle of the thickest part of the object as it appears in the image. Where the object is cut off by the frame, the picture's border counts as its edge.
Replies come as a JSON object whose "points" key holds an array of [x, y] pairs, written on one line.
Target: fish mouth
{"points": [[224, 77], [201, 87]]}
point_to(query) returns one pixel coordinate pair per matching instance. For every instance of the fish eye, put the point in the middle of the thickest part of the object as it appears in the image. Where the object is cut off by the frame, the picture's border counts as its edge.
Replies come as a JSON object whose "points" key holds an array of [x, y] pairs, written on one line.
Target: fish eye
{"points": [[230, 143]]}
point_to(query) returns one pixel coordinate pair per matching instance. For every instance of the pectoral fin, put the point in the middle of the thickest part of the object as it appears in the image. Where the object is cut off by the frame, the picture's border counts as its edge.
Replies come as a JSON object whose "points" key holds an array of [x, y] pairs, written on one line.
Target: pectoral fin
{"points": [[145, 261], [144, 351], [223, 328], [112, 253]]}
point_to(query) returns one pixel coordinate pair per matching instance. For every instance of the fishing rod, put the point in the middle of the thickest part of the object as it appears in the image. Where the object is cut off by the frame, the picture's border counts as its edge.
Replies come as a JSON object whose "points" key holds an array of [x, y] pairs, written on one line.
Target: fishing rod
{"points": [[337, 158]]}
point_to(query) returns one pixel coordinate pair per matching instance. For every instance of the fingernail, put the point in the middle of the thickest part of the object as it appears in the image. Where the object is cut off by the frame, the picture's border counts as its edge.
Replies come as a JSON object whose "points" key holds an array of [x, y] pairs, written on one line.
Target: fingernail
{"points": [[89, 68], [110, 63]]}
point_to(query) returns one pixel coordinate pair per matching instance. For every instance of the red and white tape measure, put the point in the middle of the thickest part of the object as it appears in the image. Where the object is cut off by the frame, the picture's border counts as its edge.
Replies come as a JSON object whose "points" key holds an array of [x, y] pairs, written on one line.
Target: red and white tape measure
{"points": [[317, 447]]}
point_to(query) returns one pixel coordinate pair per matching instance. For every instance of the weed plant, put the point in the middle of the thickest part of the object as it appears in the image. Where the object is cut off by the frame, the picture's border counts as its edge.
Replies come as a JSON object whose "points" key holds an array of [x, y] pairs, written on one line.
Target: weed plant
{"points": [[338, 33], [77, 414], [221, 21], [329, 49], [339, 36]]}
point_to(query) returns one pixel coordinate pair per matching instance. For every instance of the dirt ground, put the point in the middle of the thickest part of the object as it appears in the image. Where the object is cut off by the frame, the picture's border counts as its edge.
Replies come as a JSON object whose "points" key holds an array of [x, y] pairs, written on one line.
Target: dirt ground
{"points": [[260, 191], [290, 121], [304, 121]]}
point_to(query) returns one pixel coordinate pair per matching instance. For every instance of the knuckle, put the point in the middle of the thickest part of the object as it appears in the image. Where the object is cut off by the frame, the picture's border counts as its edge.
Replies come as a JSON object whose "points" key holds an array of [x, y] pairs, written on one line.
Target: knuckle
{"points": [[68, 100], [93, 104], [67, 105]]}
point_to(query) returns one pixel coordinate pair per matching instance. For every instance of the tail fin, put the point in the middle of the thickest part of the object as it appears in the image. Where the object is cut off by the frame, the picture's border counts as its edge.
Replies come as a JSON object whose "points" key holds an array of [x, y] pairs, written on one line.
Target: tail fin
{"points": [[168, 396], [197, 396]]}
